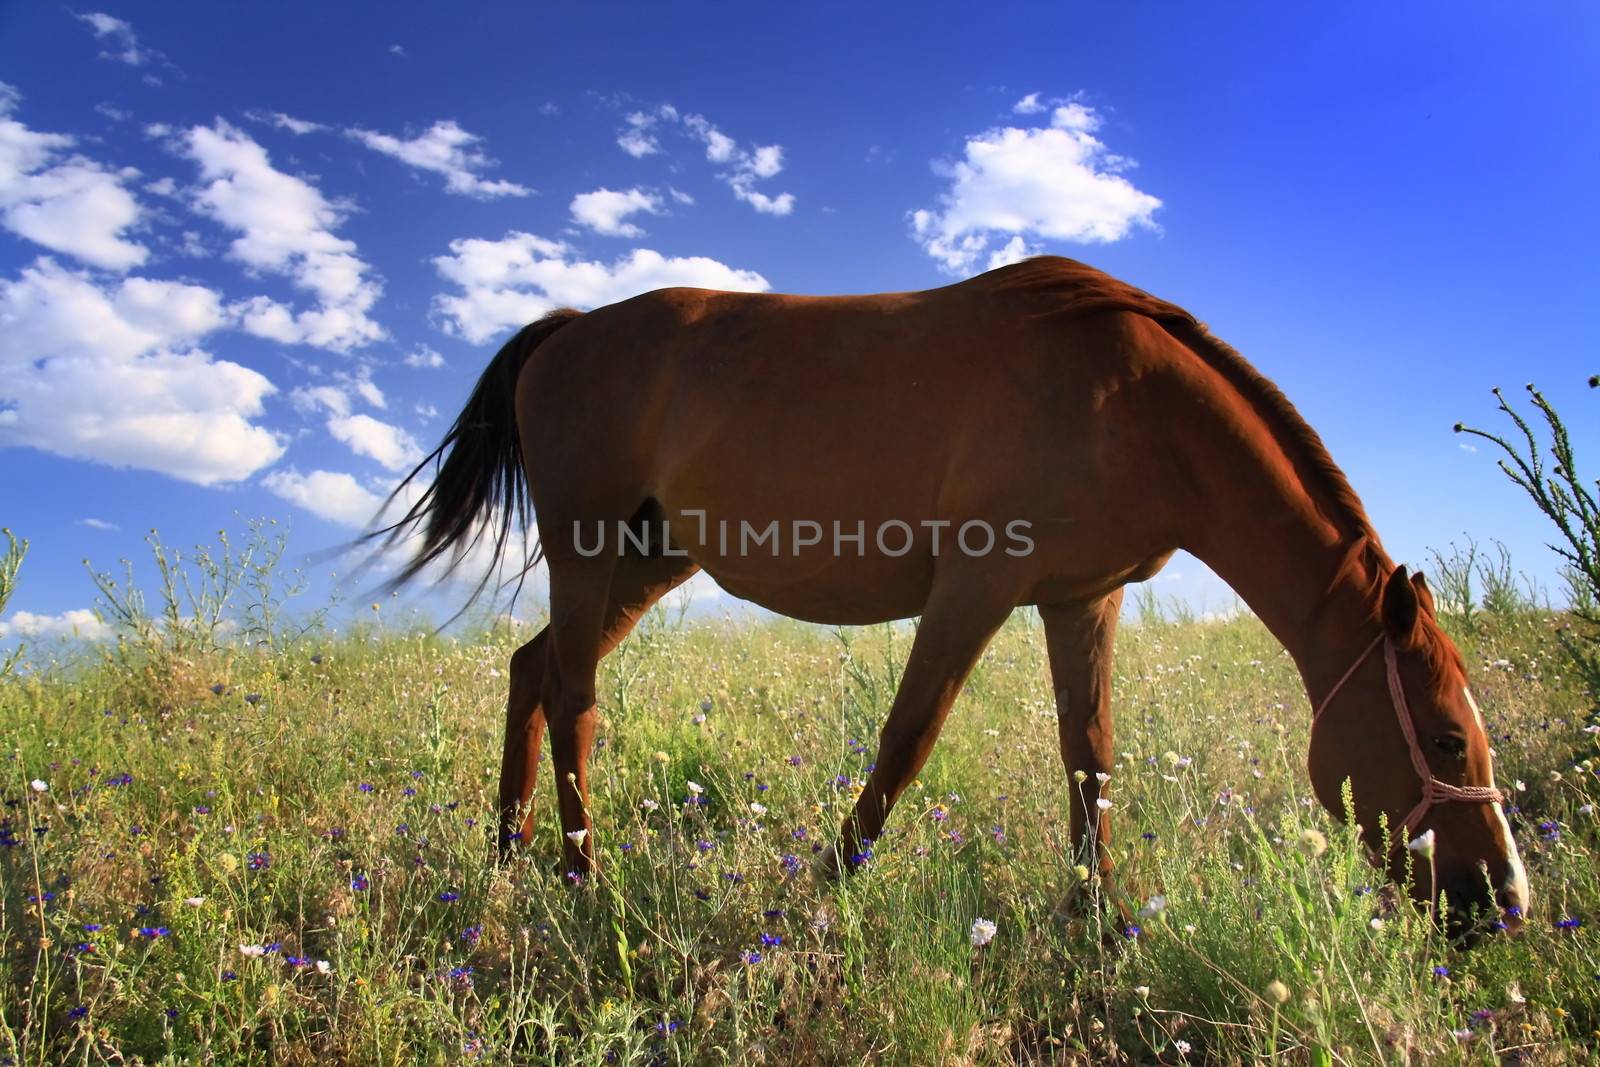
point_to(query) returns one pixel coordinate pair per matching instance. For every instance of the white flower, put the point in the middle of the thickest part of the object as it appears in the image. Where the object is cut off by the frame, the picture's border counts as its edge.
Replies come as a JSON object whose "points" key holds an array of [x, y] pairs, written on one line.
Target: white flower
{"points": [[40, 785], [759, 809], [577, 836], [1182, 1046], [195, 902], [1376, 923], [983, 932], [695, 787], [1586, 809], [1103, 804], [1102, 777], [1157, 905], [1422, 844], [648, 805], [1520, 785], [323, 966], [253, 952]]}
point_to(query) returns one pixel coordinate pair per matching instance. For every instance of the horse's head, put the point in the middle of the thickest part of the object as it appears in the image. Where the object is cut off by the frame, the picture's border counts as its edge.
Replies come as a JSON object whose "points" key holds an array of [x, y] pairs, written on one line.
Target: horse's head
{"points": [[1402, 726]]}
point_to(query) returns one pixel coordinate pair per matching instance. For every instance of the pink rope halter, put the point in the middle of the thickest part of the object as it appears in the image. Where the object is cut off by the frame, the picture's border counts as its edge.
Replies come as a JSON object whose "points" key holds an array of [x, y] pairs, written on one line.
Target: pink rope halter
{"points": [[1433, 790]]}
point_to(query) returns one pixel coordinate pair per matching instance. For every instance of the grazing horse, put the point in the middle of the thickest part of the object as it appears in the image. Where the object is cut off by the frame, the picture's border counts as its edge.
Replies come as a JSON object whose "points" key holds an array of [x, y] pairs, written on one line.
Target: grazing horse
{"points": [[840, 459]]}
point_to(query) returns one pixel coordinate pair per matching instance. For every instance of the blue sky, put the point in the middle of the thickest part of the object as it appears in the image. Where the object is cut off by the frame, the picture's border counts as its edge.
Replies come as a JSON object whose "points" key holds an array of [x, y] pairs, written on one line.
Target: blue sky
{"points": [[269, 248]]}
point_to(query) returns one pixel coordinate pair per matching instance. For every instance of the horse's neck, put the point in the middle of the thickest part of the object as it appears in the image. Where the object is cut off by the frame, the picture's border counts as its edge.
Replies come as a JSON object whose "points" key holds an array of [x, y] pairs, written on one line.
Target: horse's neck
{"points": [[1305, 577]]}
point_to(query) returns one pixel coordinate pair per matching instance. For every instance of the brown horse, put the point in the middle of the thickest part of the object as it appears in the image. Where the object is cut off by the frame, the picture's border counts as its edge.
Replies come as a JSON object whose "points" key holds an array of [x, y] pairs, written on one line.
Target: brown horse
{"points": [[1041, 434]]}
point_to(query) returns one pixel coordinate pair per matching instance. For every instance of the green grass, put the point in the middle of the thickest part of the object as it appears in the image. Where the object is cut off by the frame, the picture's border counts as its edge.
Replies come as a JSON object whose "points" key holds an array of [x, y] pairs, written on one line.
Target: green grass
{"points": [[1266, 946]]}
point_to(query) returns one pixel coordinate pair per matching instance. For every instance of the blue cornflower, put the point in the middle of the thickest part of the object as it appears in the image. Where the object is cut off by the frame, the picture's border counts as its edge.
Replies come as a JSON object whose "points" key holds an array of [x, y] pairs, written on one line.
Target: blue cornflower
{"points": [[449, 896], [365, 787], [1568, 923], [771, 940], [751, 958], [791, 864], [472, 934], [1132, 931], [408, 791], [153, 932], [91, 927], [359, 883], [668, 1026], [259, 861], [78, 1012], [1441, 971]]}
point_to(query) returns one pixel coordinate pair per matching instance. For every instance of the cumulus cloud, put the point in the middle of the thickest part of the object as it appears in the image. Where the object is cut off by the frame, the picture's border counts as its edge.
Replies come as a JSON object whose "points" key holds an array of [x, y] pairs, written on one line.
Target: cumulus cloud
{"points": [[286, 227], [79, 622], [330, 495], [516, 279], [445, 149], [67, 203], [605, 211], [1056, 182], [388, 445], [114, 375], [1028, 105], [744, 167], [424, 357], [120, 42]]}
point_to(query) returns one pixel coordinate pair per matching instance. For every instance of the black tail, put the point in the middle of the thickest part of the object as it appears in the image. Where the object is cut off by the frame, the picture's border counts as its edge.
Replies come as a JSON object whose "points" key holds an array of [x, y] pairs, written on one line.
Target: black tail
{"points": [[478, 482]]}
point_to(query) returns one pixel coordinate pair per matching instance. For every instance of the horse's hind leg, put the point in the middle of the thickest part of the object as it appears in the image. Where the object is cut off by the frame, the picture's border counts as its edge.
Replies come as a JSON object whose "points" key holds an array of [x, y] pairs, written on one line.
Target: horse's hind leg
{"points": [[519, 761], [1080, 639], [593, 606], [962, 614]]}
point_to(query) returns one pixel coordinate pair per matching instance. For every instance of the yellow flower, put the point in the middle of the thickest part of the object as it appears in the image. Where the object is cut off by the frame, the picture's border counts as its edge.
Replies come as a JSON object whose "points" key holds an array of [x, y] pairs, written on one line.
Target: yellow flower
{"points": [[1278, 992]]}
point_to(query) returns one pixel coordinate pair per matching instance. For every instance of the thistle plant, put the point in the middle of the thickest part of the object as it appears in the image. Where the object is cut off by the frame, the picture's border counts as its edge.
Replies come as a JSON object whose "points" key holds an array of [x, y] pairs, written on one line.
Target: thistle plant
{"points": [[10, 563], [1569, 502]]}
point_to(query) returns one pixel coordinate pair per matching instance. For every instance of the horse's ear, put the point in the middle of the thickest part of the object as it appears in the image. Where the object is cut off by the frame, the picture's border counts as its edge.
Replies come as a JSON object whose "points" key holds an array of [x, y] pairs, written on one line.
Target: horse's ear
{"points": [[1400, 608], [1424, 595]]}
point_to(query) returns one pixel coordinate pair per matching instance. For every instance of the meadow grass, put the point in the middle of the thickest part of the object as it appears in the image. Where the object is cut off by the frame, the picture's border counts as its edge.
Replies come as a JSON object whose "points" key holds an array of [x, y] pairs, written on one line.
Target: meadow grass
{"points": [[281, 854]]}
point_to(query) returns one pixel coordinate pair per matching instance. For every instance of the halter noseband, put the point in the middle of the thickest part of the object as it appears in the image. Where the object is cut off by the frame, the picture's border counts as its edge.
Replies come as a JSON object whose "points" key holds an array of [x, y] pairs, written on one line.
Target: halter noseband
{"points": [[1433, 790]]}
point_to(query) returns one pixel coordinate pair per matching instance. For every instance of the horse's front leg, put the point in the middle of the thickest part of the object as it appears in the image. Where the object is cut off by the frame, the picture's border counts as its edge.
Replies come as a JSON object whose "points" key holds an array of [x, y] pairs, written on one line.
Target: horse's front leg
{"points": [[1079, 637]]}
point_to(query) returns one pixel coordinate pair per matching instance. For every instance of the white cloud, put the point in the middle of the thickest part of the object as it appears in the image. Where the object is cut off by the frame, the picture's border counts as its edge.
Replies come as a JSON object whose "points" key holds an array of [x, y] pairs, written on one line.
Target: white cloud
{"points": [[72, 205], [1056, 182], [444, 149], [286, 228], [424, 357], [330, 495], [388, 445], [99, 524], [745, 167], [1028, 105], [521, 276], [605, 210], [79, 622], [113, 375], [121, 42], [286, 122]]}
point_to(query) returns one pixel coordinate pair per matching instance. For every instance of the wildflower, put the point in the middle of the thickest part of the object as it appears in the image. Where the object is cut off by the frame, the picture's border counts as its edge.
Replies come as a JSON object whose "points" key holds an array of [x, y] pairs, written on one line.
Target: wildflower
{"points": [[1182, 1046], [751, 958], [153, 932], [259, 861], [449, 896], [1102, 777], [1156, 906], [1277, 992], [771, 940], [759, 809], [324, 967], [668, 1026], [40, 785], [1568, 923], [1080, 777], [297, 962], [229, 976], [694, 787], [252, 952], [1103, 804], [577, 836], [1313, 841], [648, 805], [661, 757], [983, 931], [1422, 845], [194, 902], [365, 787], [359, 883], [939, 813], [791, 864], [78, 1012], [472, 934], [1441, 971], [1082, 872], [1132, 931], [1375, 922]]}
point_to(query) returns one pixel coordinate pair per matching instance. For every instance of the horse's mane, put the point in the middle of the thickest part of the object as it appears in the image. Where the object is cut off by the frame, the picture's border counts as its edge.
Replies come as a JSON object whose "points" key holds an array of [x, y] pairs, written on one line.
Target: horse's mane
{"points": [[1078, 289]]}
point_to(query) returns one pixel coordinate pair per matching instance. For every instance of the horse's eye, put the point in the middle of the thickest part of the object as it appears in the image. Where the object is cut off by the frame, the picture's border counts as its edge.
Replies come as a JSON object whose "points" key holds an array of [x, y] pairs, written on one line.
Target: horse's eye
{"points": [[1451, 744]]}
